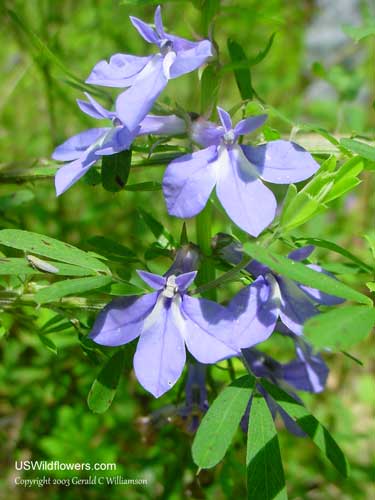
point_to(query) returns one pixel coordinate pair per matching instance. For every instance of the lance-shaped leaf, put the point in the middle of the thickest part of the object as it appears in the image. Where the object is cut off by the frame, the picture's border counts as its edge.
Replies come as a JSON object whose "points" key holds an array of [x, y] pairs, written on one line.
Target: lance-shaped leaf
{"points": [[265, 474], [340, 328], [70, 287], [360, 148], [242, 74], [303, 274], [220, 423], [115, 170], [312, 427], [104, 388], [39, 244], [329, 245]]}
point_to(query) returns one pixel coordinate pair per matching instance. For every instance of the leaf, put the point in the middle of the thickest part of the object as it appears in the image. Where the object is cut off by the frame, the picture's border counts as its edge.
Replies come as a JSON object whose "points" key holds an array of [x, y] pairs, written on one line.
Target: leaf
{"points": [[144, 186], [312, 427], [220, 423], [48, 247], [122, 289], [51, 346], [210, 84], [115, 170], [359, 148], [104, 388], [111, 248], [359, 32], [340, 328], [242, 75], [70, 287], [157, 229], [209, 9], [329, 245], [265, 474], [16, 199], [303, 274]]}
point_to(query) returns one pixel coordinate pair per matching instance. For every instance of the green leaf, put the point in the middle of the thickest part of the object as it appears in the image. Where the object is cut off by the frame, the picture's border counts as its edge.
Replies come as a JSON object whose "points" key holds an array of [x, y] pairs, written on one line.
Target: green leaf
{"points": [[122, 289], [115, 170], [104, 388], [210, 84], [70, 287], [340, 328], [209, 9], [39, 244], [16, 199], [303, 274], [265, 474], [144, 186], [157, 229], [51, 346], [308, 423], [220, 423], [359, 148], [329, 245], [359, 32], [242, 75], [112, 248], [17, 266]]}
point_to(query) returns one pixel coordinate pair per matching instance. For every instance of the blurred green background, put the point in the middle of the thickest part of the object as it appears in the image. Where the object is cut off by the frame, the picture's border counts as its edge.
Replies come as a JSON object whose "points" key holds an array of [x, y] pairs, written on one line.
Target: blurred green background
{"points": [[315, 74]]}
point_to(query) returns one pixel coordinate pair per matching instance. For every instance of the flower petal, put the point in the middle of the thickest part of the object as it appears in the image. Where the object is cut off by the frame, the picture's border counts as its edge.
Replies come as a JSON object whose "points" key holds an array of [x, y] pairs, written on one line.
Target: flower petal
{"points": [[255, 313], [296, 307], [121, 321], [160, 355], [281, 162], [162, 125], [317, 295], [225, 118], [183, 281], [301, 253], [75, 146], [94, 109], [134, 104], [119, 139], [153, 280], [249, 124], [144, 30], [190, 60], [250, 204], [208, 332], [121, 71], [70, 173], [307, 373], [159, 22], [188, 182]]}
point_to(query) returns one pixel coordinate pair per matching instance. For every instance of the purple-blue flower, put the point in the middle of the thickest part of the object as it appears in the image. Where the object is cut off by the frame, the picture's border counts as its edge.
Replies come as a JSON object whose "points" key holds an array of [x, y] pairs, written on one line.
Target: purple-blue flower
{"points": [[258, 306], [83, 150], [148, 76], [165, 321], [307, 372], [237, 172]]}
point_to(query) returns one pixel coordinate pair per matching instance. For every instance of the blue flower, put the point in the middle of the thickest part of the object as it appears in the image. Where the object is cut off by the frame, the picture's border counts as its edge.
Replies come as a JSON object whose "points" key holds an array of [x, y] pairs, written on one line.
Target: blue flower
{"points": [[148, 76], [165, 321]]}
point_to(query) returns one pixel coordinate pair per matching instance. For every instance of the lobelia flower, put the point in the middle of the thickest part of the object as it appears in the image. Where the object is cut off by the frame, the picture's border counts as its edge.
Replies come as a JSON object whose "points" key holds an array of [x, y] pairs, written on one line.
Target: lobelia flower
{"points": [[83, 150], [308, 372], [196, 403], [258, 306], [237, 172], [148, 76], [165, 321]]}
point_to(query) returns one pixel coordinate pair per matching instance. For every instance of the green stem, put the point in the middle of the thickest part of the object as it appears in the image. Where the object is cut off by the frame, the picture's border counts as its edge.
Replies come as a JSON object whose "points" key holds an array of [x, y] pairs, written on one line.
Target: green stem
{"points": [[203, 223]]}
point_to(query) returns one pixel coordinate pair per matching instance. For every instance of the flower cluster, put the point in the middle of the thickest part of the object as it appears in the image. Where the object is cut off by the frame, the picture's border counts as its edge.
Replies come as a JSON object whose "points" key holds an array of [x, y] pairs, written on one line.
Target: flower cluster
{"points": [[169, 320]]}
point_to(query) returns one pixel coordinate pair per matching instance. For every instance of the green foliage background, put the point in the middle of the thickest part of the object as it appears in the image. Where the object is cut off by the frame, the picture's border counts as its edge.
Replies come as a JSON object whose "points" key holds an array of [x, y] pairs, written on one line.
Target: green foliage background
{"points": [[43, 409]]}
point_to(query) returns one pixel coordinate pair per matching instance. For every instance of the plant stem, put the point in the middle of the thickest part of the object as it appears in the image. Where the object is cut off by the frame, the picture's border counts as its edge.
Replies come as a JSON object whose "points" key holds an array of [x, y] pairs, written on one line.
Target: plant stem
{"points": [[203, 223]]}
